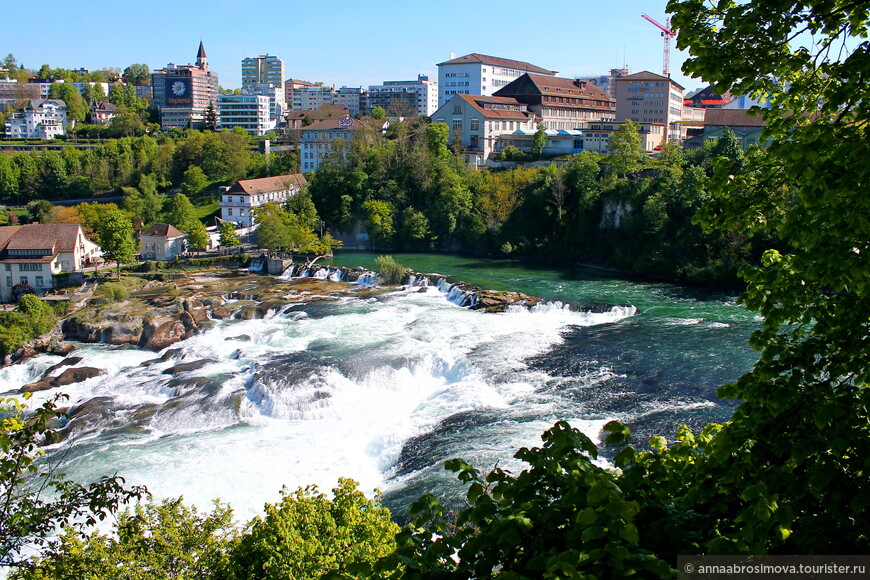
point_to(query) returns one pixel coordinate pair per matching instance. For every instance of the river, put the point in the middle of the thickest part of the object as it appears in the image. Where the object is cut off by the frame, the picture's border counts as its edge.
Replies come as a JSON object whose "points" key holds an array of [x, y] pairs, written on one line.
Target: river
{"points": [[384, 389]]}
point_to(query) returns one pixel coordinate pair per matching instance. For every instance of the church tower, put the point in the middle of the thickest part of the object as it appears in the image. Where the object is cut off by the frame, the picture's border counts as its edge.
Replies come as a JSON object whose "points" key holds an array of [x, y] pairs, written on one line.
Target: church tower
{"points": [[201, 58]]}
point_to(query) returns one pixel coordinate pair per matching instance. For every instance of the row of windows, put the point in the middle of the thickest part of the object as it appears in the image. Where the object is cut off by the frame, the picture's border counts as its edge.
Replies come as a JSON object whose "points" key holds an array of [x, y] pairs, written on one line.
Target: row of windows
{"points": [[38, 281], [455, 75]]}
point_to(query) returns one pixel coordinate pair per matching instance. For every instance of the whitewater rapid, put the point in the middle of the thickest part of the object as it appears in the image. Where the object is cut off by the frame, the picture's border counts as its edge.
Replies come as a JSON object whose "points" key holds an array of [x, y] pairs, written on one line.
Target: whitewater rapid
{"points": [[321, 391]]}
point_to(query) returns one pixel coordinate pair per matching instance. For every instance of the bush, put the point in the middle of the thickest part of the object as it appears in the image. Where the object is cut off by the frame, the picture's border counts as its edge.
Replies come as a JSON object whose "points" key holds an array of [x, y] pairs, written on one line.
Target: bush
{"points": [[390, 270], [111, 292]]}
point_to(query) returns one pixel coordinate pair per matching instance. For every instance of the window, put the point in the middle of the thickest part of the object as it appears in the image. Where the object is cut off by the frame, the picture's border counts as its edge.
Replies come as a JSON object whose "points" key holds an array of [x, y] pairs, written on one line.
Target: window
{"points": [[39, 282], [30, 267], [23, 280], [457, 125], [475, 125], [229, 211], [457, 110]]}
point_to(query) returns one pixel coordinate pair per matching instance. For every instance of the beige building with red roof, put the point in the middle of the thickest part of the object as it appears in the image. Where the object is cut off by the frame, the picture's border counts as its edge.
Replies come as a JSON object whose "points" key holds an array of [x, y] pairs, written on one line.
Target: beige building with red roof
{"points": [[31, 254], [476, 122], [161, 242], [562, 104], [237, 202], [480, 74], [647, 97]]}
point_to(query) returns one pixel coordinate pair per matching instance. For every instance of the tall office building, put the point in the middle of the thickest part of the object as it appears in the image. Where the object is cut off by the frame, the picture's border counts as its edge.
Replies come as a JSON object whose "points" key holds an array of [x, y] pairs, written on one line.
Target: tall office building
{"points": [[183, 93], [264, 69]]}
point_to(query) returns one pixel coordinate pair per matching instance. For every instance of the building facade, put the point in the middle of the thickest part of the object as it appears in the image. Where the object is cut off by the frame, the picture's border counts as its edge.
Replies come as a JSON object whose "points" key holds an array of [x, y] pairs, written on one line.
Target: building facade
{"points": [[405, 98], [606, 83], [239, 202], [40, 119], [312, 98], [264, 69], [31, 255], [183, 94], [596, 136], [291, 85], [250, 112], [103, 113], [476, 122], [162, 242], [275, 94], [317, 141], [647, 97], [479, 74], [562, 104], [12, 93]]}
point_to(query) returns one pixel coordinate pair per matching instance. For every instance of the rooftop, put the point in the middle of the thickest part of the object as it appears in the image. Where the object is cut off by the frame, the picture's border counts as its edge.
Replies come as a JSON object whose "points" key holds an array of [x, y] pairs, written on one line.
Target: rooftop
{"points": [[268, 184], [498, 61]]}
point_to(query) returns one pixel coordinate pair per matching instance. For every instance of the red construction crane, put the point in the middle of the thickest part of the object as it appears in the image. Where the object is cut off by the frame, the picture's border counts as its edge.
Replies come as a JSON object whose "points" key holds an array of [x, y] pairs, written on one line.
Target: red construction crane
{"points": [[666, 34]]}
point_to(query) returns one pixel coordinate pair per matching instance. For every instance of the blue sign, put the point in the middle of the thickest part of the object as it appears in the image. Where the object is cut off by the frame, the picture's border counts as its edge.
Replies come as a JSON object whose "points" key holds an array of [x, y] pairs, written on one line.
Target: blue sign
{"points": [[345, 122], [179, 92]]}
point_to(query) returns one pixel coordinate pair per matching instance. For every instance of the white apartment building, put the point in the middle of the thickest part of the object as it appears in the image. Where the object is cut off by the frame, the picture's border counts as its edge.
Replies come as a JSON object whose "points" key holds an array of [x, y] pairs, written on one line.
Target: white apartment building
{"points": [[275, 94], [250, 112], [291, 85], [476, 122], [263, 69], [596, 137], [312, 98], [40, 119], [317, 141], [479, 74], [405, 98], [239, 202], [30, 255], [647, 97], [12, 92]]}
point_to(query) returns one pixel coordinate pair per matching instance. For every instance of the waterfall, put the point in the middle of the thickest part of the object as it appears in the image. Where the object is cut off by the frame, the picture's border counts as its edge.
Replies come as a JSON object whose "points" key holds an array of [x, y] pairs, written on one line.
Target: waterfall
{"points": [[321, 274], [288, 273], [367, 279], [336, 274]]}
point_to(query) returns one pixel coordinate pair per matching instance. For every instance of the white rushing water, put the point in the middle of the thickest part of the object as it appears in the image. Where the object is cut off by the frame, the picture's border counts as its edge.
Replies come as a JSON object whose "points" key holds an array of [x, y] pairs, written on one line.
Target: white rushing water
{"points": [[318, 392]]}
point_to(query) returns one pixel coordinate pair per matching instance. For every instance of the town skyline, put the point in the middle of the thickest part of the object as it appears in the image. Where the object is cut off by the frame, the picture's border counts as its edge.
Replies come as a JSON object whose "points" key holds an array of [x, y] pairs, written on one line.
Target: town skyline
{"points": [[338, 47]]}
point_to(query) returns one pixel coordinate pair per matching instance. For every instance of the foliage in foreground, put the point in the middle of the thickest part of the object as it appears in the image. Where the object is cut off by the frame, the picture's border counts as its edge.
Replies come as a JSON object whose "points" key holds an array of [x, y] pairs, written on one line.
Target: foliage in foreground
{"points": [[36, 499], [31, 318]]}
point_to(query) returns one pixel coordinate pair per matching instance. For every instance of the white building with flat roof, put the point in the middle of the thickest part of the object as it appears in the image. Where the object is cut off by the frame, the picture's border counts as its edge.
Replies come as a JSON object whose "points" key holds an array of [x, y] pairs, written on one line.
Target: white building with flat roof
{"points": [[250, 112], [405, 98], [479, 74]]}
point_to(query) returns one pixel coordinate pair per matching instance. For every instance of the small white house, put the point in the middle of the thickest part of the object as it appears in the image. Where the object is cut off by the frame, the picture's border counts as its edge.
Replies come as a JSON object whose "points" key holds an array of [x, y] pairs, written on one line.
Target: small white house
{"points": [[161, 242]]}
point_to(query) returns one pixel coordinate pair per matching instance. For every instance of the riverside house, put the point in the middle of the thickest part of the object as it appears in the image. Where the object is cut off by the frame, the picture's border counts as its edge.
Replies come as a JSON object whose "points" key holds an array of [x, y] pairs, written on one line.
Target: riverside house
{"points": [[31, 255]]}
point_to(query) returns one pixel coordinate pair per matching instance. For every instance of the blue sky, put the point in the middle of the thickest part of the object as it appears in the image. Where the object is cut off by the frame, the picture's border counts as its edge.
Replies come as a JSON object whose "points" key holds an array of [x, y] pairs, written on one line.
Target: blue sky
{"points": [[337, 41]]}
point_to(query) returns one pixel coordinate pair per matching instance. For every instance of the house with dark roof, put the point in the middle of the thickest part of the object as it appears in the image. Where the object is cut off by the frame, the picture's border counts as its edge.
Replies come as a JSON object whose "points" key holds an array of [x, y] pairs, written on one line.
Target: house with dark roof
{"points": [[317, 141], [239, 201], [476, 122], [161, 242], [747, 128], [562, 104], [30, 255], [103, 113], [480, 74]]}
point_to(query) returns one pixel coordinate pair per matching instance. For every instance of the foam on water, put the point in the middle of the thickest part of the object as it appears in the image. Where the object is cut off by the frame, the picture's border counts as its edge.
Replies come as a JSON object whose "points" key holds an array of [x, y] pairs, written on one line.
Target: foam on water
{"points": [[310, 398]]}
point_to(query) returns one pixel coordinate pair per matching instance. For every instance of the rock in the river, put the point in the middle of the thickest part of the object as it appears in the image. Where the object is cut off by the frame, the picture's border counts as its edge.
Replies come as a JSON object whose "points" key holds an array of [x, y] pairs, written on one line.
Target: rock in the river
{"points": [[76, 375]]}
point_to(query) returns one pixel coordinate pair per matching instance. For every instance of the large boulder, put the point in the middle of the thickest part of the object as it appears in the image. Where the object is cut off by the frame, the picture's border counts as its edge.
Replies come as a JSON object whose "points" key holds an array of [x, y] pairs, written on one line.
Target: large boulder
{"points": [[76, 375], [162, 331]]}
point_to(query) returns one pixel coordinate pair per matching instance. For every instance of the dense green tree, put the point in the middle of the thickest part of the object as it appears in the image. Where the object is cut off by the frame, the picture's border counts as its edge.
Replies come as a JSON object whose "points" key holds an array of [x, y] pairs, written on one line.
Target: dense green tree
{"points": [[36, 496], [539, 140], [153, 541], [194, 180], [197, 236], [137, 74], [272, 233], [626, 149], [180, 212], [228, 235], [116, 238], [379, 113], [39, 210], [380, 221], [307, 535], [127, 122], [210, 120]]}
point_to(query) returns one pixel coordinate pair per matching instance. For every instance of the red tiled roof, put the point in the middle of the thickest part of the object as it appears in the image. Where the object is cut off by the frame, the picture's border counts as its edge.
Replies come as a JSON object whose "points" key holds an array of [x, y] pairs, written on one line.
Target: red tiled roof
{"points": [[498, 61], [533, 85], [60, 237], [6, 232], [163, 231], [268, 184], [478, 103], [732, 118]]}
